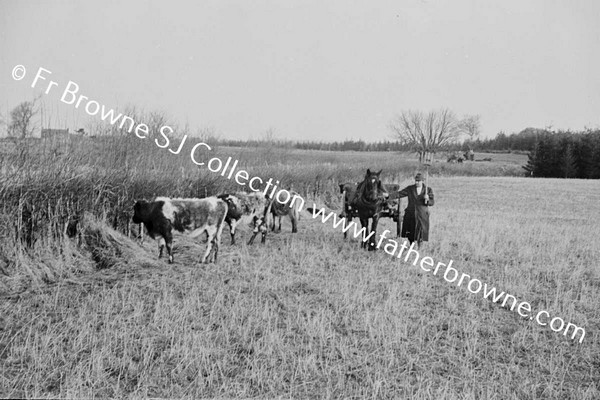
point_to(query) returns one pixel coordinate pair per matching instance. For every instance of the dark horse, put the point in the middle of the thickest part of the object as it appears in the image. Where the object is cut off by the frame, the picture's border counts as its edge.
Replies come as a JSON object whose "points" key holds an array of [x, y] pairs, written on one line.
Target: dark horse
{"points": [[368, 202]]}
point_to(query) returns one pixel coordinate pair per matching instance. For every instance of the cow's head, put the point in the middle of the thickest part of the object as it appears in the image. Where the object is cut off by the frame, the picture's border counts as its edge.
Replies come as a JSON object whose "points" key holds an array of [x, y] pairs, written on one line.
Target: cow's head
{"points": [[234, 208], [141, 208], [251, 203], [246, 206], [259, 225]]}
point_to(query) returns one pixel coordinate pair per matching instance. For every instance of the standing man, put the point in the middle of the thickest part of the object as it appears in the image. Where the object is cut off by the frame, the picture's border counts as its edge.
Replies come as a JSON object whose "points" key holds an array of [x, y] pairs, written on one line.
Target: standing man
{"points": [[415, 225]]}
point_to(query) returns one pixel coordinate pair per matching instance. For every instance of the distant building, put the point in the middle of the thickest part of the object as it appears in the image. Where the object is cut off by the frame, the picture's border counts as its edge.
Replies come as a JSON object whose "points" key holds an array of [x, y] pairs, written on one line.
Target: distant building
{"points": [[54, 133]]}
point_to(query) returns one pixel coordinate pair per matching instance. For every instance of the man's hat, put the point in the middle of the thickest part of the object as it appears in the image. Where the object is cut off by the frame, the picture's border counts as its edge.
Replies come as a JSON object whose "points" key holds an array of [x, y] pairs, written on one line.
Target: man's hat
{"points": [[418, 177]]}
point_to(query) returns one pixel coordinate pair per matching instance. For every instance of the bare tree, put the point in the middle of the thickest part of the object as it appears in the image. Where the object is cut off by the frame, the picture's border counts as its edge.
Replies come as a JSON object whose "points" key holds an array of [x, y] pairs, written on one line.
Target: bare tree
{"points": [[155, 121], [132, 115], [426, 131], [208, 134], [21, 119], [269, 136], [471, 126]]}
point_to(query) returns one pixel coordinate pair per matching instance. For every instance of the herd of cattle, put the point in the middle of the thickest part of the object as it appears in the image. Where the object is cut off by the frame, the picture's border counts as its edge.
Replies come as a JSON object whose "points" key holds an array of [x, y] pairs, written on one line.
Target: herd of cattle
{"points": [[197, 216]]}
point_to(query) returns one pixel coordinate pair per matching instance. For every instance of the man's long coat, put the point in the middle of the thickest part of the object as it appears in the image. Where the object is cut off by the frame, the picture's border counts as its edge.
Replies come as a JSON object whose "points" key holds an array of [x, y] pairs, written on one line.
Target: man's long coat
{"points": [[415, 225]]}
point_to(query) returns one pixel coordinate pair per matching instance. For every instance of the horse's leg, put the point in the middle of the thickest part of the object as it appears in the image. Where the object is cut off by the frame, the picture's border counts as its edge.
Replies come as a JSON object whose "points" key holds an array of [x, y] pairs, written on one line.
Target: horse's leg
{"points": [[348, 221], [364, 223], [372, 239], [294, 218]]}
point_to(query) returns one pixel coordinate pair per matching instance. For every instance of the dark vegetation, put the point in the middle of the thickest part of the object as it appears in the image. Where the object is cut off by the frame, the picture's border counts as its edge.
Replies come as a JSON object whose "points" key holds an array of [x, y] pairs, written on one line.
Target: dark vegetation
{"points": [[565, 155]]}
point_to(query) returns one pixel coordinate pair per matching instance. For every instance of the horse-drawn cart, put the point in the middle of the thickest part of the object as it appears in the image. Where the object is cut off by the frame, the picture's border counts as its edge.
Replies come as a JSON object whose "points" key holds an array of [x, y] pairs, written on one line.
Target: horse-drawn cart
{"points": [[391, 204]]}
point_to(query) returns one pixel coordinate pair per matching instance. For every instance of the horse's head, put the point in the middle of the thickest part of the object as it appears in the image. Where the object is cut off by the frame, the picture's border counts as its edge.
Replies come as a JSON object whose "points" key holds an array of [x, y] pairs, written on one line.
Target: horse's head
{"points": [[372, 185]]}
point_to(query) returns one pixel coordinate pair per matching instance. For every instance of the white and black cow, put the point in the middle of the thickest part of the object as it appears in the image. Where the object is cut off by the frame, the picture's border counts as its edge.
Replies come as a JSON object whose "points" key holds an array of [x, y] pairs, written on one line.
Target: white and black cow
{"points": [[194, 216], [241, 205]]}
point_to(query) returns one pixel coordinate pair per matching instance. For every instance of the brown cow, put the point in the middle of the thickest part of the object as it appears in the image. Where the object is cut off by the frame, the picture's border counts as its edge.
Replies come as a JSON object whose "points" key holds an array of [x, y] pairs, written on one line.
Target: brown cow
{"points": [[290, 208]]}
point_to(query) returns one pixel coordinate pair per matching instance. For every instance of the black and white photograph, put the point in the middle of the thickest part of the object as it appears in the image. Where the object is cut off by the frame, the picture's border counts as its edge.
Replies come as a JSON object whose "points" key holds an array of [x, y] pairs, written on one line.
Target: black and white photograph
{"points": [[300, 199]]}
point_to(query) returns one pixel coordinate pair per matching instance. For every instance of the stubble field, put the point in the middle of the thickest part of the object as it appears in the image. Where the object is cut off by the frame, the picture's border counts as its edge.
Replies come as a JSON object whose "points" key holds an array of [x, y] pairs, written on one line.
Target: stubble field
{"points": [[310, 314]]}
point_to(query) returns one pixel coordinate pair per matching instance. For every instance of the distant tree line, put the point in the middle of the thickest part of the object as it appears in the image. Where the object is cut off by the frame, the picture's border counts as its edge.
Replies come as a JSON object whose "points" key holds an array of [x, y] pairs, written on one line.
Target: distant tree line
{"points": [[346, 145], [523, 141]]}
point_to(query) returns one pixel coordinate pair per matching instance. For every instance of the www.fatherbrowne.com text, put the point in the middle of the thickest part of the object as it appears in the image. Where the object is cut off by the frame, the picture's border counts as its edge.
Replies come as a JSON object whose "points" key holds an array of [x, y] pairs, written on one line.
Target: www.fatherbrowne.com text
{"points": [[452, 275]]}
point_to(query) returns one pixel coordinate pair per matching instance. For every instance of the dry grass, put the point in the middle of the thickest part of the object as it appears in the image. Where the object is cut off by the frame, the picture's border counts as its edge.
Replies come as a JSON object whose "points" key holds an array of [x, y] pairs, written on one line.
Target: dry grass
{"points": [[311, 315]]}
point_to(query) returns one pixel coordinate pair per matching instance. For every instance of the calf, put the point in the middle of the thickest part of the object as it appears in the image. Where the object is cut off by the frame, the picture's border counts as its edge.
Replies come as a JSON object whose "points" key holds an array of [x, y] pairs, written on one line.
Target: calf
{"points": [[259, 225], [194, 216], [275, 209], [240, 205], [290, 208]]}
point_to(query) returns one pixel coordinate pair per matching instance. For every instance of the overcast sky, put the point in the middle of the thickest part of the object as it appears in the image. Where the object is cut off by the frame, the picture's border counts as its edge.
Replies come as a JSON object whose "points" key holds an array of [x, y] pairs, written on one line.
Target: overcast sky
{"points": [[318, 70]]}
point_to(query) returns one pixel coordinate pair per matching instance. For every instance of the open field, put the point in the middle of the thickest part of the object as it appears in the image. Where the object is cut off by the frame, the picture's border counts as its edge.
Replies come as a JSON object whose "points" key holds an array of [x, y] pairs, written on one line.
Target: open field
{"points": [[306, 315]]}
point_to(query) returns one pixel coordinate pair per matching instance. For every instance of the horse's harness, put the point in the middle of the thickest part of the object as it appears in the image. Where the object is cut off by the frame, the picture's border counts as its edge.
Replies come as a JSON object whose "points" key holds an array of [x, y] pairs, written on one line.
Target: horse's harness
{"points": [[359, 199]]}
